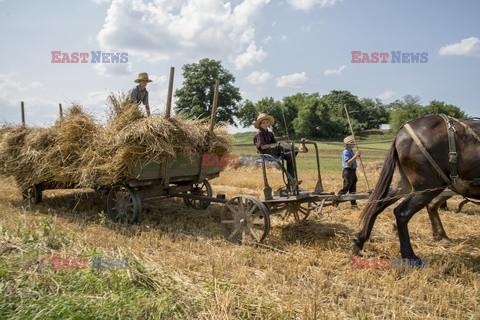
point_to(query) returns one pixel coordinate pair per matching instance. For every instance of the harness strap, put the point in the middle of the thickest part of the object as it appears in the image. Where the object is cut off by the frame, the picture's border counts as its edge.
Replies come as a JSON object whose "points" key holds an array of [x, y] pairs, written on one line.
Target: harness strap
{"points": [[468, 129], [426, 153], [452, 154]]}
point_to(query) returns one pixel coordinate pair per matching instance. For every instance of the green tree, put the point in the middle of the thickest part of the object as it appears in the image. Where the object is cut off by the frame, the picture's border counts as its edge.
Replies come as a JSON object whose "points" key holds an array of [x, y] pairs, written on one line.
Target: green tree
{"points": [[336, 100], [195, 97], [308, 124], [438, 107], [404, 111], [248, 112], [375, 113]]}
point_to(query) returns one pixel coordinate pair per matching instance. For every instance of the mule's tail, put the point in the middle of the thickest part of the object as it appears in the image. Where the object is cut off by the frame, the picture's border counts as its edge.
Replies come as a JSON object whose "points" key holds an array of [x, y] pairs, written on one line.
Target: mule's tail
{"points": [[381, 188]]}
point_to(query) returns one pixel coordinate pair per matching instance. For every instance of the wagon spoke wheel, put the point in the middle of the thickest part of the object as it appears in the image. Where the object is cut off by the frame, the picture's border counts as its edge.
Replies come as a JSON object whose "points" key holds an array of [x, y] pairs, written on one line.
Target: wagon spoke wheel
{"points": [[300, 211], [200, 189], [245, 219], [32, 195], [123, 205]]}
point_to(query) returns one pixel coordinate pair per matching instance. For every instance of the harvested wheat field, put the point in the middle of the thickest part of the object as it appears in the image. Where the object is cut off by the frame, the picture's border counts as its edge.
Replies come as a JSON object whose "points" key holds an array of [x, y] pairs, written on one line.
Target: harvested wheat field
{"points": [[180, 266]]}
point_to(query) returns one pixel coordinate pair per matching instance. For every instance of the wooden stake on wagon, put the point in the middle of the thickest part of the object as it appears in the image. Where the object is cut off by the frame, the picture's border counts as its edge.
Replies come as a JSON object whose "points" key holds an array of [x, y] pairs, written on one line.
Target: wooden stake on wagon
{"points": [[214, 107], [170, 91], [22, 107], [60, 110], [358, 149]]}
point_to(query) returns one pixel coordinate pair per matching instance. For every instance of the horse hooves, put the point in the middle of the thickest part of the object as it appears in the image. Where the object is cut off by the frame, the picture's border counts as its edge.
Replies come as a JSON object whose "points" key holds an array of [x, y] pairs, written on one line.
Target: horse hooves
{"points": [[356, 248], [440, 237]]}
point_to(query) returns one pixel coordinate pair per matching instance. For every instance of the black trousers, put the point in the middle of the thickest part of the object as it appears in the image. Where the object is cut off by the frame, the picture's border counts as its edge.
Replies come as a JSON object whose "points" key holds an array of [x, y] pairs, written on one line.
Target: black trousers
{"points": [[349, 176], [283, 148]]}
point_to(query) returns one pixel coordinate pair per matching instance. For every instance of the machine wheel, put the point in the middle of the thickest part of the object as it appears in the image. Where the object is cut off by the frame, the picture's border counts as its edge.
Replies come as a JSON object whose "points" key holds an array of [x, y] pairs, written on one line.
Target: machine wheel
{"points": [[246, 219], [200, 189], [32, 195], [123, 205], [300, 211]]}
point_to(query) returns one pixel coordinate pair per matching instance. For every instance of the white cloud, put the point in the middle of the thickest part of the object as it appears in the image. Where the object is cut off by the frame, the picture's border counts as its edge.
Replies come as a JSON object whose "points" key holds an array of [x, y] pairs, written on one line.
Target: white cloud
{"points": [[283, 38], [36, 84], [13, 91], [307, 5], [249, 57], [294, 80], [259, 77], [100, 1], [267, 39], [387, 94], [189, 29], [337, 71], [113, 69], [466, 47]]}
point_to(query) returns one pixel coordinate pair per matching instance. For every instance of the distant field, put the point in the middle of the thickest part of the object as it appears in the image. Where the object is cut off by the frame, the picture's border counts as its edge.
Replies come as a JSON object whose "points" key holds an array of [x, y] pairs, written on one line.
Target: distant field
{"points": [[329, 154]]}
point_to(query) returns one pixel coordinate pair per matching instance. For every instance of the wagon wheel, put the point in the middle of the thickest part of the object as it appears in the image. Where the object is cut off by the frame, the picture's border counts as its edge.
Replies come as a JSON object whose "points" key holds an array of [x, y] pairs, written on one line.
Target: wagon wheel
{"points": [[246, 219], [123, 205], [32, 195], [300, 211], [200, 189]]}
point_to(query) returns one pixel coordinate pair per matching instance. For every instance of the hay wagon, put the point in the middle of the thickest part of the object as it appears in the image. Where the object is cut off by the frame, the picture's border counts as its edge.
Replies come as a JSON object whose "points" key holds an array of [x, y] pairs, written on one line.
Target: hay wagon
{"points": [[245, 217]]}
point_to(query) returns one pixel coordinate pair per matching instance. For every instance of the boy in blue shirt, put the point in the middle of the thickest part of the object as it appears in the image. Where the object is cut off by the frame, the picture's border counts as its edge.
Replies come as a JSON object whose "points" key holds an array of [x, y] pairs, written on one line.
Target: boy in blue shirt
{"points": [[349, 173]]}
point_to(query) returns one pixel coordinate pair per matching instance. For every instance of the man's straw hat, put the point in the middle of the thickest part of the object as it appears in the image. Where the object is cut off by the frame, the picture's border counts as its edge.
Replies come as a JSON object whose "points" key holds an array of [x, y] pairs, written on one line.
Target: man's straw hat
{"points": [[348, 140], [263, 116], [142, 76]]}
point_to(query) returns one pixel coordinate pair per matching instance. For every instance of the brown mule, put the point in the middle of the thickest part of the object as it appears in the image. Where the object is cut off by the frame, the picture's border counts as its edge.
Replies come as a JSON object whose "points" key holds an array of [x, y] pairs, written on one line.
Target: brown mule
{"points": [[419, 180]]}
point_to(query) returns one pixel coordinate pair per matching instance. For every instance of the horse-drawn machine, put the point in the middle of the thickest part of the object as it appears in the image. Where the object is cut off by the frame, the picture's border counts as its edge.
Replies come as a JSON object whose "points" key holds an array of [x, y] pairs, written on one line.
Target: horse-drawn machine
{"points": [[246, 217]]}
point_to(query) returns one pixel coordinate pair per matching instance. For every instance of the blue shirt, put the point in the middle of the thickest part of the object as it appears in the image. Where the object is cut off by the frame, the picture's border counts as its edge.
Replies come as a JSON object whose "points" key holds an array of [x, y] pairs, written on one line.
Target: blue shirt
{"points": [[139, 96], [348, 154]]}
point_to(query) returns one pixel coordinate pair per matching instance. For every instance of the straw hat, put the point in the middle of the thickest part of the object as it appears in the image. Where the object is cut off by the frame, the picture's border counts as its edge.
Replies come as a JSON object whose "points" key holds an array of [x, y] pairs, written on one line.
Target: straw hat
{"points": [[349, 140], [263, 116], [142, 76]]}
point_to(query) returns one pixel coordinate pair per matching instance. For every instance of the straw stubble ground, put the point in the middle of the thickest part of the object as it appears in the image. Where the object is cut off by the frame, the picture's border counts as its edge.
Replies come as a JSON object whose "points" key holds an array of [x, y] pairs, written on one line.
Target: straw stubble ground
{"points": [[181, 267]]}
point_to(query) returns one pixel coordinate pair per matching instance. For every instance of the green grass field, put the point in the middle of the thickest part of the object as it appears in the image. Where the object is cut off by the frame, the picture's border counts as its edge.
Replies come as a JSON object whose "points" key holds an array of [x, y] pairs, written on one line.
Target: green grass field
{"points": [[329, 153]]}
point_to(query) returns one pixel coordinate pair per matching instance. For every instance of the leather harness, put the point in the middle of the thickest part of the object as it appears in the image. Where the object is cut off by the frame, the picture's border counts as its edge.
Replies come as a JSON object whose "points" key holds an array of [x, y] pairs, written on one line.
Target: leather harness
{"points": [[452, 150]]}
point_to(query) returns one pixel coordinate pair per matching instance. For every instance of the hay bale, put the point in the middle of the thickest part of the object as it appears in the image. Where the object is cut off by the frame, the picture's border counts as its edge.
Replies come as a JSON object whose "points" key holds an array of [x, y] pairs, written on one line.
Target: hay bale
{"points": [[78, 151]]}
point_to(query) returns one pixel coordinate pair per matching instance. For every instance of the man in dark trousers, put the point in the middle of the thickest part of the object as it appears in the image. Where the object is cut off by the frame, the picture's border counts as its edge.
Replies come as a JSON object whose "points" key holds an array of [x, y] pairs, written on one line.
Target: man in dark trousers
{"points": [[266, 143], [349, 174]]}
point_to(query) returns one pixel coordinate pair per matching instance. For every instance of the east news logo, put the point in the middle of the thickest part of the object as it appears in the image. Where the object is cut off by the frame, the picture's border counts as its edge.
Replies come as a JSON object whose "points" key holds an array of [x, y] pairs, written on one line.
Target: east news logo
{"points": [[394, 56], [96, 57]]}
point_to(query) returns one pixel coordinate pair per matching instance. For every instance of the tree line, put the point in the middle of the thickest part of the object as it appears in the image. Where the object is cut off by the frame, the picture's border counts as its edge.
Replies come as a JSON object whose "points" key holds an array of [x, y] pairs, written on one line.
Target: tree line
{"points": [[300, 115]]}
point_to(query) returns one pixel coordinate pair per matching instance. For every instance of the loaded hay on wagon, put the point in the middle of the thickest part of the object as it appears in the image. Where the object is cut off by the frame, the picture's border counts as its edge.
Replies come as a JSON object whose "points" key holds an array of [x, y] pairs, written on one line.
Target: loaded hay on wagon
{"points": [[78, 152]]}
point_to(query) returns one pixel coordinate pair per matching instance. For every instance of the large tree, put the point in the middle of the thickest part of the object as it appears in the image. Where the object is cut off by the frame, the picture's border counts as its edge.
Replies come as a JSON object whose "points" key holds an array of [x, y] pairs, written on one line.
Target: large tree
{"points": [[438, 107], [195, 97], [404, 110], [409, 108], [248, 112]]}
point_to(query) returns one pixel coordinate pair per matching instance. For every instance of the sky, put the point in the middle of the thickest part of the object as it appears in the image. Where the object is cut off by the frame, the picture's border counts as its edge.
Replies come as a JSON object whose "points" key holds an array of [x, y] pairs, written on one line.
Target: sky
{"points": [[273, 49]]}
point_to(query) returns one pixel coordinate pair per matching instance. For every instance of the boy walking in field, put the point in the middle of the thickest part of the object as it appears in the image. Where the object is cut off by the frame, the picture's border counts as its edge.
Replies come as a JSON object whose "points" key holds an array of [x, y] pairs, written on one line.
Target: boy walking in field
{"points": [[349, 173]]}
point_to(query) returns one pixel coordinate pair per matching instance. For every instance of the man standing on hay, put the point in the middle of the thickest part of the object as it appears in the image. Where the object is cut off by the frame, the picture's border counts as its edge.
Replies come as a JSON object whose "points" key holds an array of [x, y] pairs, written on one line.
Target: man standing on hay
{"points": [[139, 94], [349, 173], [267, 144]]}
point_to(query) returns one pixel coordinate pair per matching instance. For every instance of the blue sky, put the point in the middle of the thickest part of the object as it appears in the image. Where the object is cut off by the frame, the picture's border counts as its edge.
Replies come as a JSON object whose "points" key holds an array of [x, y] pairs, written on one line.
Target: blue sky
{"points": [[273, 48]]}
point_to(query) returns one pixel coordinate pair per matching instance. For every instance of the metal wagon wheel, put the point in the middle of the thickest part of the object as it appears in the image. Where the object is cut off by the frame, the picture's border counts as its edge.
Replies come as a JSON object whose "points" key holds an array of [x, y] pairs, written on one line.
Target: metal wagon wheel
{"points": [[299, 210], [200, 189], [123, 205], [245, 219], [32, 195]]}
